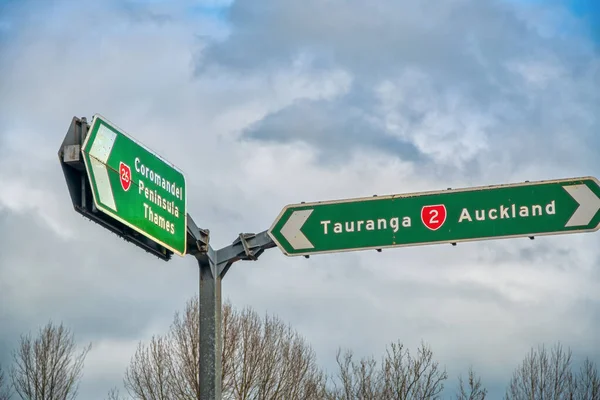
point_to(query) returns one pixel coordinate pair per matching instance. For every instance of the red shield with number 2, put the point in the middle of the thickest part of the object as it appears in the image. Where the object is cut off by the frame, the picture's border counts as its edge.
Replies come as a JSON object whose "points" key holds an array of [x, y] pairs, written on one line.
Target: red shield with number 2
{"points": [[433, 217], [125, 173]]}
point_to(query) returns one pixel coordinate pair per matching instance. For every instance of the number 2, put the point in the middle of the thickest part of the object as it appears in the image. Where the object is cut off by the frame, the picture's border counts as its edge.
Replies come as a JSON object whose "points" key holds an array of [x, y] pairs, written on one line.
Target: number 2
{"points": [[432, 219]]}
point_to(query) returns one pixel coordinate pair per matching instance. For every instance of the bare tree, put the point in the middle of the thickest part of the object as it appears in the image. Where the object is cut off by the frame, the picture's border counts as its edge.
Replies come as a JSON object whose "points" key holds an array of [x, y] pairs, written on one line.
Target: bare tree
{"points": [[357, 380], [148, 374], [114, 394], [167, 368], [184, 343], [400, 376], [267, 359], [474, 390], [588, 382], [543, 375], [261, 358], [47, 367], [4, 389], [410, 377]]}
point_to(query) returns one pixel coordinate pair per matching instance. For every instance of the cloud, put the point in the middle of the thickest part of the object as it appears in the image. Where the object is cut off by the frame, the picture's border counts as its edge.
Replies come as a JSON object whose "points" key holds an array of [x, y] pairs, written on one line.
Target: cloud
{"points": [[272, 103], [465, 82]]}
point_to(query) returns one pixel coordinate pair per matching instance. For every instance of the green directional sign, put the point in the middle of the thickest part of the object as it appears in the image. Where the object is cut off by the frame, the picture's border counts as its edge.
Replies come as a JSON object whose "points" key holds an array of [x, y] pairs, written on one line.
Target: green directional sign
{"points": [[450, 216], [135, 186]]}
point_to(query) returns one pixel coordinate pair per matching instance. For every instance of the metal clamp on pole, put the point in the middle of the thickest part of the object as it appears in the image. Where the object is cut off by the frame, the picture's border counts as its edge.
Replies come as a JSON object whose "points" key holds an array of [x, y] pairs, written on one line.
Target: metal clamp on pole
{"points": [[198, 239], [247, 247], [250, 251]]}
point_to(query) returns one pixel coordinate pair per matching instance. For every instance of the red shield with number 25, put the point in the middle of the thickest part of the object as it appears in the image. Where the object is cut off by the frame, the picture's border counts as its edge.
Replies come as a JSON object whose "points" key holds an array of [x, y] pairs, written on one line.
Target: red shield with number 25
{"points": [[433, 217], [125, 173]]}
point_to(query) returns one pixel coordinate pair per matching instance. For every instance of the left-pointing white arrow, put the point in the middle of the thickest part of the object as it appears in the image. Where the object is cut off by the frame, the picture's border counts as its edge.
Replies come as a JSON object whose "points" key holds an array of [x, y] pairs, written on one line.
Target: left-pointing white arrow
{"points": [[589, 204], [99, 153], [291, 230]]}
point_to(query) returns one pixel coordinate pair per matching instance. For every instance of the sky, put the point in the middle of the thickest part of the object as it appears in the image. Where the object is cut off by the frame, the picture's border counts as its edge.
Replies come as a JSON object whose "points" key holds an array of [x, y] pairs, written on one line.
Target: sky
{"points": [[263, 103]]}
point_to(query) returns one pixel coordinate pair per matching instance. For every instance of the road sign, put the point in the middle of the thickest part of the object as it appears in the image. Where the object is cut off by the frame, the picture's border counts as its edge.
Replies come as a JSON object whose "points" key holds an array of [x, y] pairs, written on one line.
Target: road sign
{"points": [[135, 186], [450, 216]]}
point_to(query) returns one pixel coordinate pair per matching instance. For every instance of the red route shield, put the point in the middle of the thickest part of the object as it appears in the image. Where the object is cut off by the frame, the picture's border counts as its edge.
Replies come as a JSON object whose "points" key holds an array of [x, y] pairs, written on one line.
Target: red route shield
{"points": [[125, 175], [433, 217]]}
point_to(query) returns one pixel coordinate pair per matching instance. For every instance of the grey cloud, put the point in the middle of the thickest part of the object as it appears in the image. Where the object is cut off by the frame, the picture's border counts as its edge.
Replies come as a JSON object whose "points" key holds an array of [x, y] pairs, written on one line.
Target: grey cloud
{"points": [[477, 55], [84, 281], [334, 126], [370, 38], [460, 43], [542, 250], [140, 12]]}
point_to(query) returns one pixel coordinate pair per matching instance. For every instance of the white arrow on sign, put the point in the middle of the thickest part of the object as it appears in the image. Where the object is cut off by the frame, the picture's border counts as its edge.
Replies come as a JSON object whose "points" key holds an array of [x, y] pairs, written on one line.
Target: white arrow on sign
{"points": [[291, 230], [99, 153], [589, 204]]}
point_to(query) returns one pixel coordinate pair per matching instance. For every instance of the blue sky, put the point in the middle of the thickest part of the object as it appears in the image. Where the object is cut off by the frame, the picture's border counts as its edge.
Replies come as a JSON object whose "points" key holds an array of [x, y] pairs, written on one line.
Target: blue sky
{"points": [[588, 11], [280, 102]]}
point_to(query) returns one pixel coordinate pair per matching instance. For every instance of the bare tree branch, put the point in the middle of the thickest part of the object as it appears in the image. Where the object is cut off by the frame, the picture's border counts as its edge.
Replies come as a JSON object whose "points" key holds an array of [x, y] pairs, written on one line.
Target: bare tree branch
{"points": [[400, 376], [474, 390], [543, 376], [114, 394], [588, 382], [5, 392], [347, 383], [183, 341], [47, 368], [268, 360], [147, 377]]}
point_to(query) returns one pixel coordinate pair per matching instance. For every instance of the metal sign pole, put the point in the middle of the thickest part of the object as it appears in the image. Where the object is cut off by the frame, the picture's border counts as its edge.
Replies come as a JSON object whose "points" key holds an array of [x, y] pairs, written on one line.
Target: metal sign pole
{"points": [[213, 266], [210, 346]]}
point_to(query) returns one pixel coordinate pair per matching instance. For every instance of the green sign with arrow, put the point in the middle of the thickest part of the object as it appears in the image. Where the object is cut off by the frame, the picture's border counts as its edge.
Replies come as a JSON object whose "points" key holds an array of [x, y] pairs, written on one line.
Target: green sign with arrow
{"points": [[490, 212], [135, 186]]}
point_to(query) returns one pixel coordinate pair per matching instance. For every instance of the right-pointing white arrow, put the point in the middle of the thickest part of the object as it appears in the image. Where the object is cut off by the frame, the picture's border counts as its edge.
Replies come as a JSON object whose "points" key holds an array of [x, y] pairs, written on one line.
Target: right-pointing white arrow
{"points": [[291, 230], [589, 204]]}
